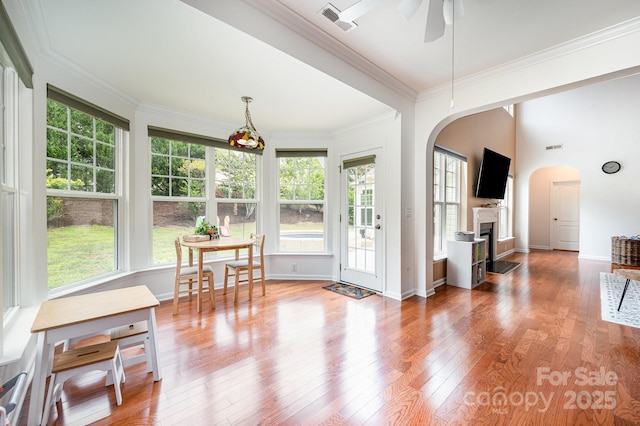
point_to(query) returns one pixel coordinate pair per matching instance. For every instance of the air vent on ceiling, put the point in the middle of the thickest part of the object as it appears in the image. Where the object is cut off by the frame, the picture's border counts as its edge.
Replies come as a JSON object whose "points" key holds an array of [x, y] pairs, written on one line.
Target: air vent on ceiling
{"points": [[332, 13], [550, 147]]}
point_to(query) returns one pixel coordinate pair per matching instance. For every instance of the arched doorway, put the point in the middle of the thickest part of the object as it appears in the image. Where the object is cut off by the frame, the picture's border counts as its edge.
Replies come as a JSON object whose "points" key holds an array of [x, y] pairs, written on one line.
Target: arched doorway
{"points": [[554, 208]]}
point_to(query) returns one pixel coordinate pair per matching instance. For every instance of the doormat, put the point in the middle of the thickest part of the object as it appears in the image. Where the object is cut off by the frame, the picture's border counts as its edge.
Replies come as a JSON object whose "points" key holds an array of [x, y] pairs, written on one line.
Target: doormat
{"points": [[349, 290], [611, 288], [501, 267]]}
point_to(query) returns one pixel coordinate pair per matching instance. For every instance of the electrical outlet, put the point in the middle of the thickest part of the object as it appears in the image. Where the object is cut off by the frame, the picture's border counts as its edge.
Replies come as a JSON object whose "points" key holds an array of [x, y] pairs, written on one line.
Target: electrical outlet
{"points": [[294, 267]]}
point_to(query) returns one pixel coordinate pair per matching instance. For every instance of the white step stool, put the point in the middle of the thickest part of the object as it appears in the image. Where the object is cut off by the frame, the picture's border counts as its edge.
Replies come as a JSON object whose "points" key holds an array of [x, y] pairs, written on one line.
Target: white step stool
{"points": [[102, 356]]}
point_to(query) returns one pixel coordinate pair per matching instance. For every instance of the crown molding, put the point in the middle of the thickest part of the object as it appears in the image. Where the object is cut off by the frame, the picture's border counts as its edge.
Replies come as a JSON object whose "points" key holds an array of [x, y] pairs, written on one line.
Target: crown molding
{"points": [[619, 30], [80, 73]]}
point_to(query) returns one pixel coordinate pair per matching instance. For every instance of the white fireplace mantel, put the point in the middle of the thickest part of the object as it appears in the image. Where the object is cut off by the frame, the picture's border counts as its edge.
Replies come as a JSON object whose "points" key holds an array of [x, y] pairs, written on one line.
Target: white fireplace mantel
{"points": [[484, 215]]}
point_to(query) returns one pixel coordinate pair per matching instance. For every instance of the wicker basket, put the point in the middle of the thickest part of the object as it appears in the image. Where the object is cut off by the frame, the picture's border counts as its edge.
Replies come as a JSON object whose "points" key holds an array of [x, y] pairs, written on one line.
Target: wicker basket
{"points": [[625, 250]]}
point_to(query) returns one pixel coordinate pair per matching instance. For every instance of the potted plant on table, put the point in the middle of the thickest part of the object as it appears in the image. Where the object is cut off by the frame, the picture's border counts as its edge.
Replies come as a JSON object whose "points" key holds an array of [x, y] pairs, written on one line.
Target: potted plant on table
{"points": [[205, 228]]}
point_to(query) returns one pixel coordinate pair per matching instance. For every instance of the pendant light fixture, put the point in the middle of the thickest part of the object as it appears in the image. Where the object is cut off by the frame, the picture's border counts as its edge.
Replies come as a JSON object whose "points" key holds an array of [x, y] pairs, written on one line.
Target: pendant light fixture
{"points": [[247, 136]]}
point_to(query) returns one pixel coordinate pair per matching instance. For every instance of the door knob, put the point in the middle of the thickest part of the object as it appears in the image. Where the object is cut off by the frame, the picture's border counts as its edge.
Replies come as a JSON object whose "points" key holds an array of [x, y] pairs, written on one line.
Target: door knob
{"points": [[377, 226]]}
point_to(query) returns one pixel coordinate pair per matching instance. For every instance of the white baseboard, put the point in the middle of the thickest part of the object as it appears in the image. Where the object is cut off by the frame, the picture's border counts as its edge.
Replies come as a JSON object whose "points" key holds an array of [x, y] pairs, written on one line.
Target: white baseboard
{"points": [[540, 247]]}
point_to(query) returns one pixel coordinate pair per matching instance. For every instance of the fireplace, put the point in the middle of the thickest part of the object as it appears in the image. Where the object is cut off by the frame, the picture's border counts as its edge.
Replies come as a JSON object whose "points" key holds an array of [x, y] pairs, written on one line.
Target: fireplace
{"points": [[485, 225], [486, 232]]}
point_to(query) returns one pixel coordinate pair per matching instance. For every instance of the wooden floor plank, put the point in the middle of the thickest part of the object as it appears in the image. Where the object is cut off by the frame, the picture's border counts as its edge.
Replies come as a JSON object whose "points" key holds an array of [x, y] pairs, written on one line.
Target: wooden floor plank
{"points": [[302, 355]]}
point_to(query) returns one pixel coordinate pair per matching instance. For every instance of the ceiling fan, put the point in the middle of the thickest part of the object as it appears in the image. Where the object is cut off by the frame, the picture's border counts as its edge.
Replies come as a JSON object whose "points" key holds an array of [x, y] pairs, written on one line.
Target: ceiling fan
{"points": [[440, 13]]}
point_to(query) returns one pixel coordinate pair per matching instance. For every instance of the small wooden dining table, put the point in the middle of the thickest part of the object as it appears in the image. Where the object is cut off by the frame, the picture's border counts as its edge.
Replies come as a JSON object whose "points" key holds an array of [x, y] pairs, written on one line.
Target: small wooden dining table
{"points": [[77, 316], [222, 243]]}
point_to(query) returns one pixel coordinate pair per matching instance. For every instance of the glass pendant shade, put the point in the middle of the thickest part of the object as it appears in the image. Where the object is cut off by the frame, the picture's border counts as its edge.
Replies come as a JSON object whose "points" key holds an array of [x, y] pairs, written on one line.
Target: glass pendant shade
{"points": [[247, 136]]}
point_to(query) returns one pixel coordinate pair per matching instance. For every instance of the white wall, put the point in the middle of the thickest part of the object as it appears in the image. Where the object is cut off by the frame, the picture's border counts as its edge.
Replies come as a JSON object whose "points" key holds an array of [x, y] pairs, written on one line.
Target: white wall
{"points": [[594, 124]]}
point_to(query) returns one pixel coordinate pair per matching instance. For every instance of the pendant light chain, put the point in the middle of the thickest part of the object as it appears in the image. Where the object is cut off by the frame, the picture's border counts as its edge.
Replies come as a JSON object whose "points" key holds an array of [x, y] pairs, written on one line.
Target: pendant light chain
{"points": [[247, 115], [453, 48]]}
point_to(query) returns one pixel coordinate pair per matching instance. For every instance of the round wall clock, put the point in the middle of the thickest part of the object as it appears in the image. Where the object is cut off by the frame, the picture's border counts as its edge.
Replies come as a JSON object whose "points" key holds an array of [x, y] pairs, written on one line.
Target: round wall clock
{"points": [[611, 167]]}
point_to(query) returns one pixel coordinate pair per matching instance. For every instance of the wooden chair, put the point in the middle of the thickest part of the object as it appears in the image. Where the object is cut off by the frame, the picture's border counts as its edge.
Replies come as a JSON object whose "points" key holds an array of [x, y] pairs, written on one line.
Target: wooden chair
{"points": [[186, 276], [241, 269], [102, 356]]}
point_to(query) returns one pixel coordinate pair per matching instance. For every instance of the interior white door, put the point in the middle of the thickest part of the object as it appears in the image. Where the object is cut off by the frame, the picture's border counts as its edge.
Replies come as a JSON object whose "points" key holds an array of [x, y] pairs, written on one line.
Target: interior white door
{"points": [[565, 215], [361, 221]]}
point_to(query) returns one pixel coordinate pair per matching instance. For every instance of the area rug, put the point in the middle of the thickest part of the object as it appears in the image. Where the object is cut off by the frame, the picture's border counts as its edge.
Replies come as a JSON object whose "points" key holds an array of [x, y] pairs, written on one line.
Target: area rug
{"points": [[349, 290], [611, 288], [502, 267]]}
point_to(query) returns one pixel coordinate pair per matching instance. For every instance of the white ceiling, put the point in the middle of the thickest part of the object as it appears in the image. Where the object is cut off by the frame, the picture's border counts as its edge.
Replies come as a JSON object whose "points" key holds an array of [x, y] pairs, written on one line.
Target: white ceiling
{"points": [[166, 53]]}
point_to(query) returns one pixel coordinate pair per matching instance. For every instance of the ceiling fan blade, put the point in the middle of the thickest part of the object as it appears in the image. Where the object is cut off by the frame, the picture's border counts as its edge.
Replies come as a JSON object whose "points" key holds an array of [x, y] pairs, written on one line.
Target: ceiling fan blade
{"points": [[357, 10], [408, 8], [435, 21]]}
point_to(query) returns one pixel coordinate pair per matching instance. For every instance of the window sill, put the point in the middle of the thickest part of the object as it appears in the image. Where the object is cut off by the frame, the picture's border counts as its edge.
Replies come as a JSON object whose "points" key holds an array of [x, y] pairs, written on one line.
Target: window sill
{"points": [[81, 288], [502, 240], [301, 253], [17, 334], [440, 257]]}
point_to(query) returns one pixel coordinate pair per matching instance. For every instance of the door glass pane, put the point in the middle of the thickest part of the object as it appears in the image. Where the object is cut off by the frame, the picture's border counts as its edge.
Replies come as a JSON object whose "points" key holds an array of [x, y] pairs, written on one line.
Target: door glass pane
{"points": [[361, 208]]}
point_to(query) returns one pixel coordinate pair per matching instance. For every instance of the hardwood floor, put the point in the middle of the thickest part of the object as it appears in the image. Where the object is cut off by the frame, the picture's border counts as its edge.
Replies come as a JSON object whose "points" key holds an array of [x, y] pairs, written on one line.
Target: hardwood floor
{"points": [[515, 350]]}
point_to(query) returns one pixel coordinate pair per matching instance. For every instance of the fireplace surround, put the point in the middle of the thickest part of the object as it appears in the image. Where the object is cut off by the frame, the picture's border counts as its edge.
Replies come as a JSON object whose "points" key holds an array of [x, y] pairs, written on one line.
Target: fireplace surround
{"points": [[485, 225]]}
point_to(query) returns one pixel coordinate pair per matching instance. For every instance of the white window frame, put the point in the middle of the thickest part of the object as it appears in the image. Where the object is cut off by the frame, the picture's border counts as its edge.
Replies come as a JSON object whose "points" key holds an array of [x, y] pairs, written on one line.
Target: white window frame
{"points": [[9, 246], [306, 154], [505, 211], [215, 200], [444, 230], [120, 139]]}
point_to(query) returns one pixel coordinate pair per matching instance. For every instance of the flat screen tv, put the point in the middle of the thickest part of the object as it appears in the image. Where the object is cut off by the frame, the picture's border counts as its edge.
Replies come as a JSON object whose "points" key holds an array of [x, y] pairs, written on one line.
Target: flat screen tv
{"points": [[492, 179]]}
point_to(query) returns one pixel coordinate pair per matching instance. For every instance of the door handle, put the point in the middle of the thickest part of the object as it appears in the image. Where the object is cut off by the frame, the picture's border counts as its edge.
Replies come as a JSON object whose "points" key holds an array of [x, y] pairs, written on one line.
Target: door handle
{"points": [[378, 226]]}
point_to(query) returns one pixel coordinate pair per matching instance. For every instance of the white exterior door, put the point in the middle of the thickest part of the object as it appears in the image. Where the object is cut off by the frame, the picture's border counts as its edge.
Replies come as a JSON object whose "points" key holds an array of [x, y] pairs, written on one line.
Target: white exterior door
{"points": [[361, 222], [565, 215]]}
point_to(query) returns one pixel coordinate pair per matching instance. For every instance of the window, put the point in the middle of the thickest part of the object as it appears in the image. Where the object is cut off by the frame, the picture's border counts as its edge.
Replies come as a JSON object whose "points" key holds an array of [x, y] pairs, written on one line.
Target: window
{"points": [[8, 189], [181, 188], [505, 210], [83, 190], [178, 190], [302, 200], [447, 195], [236, 191]]}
